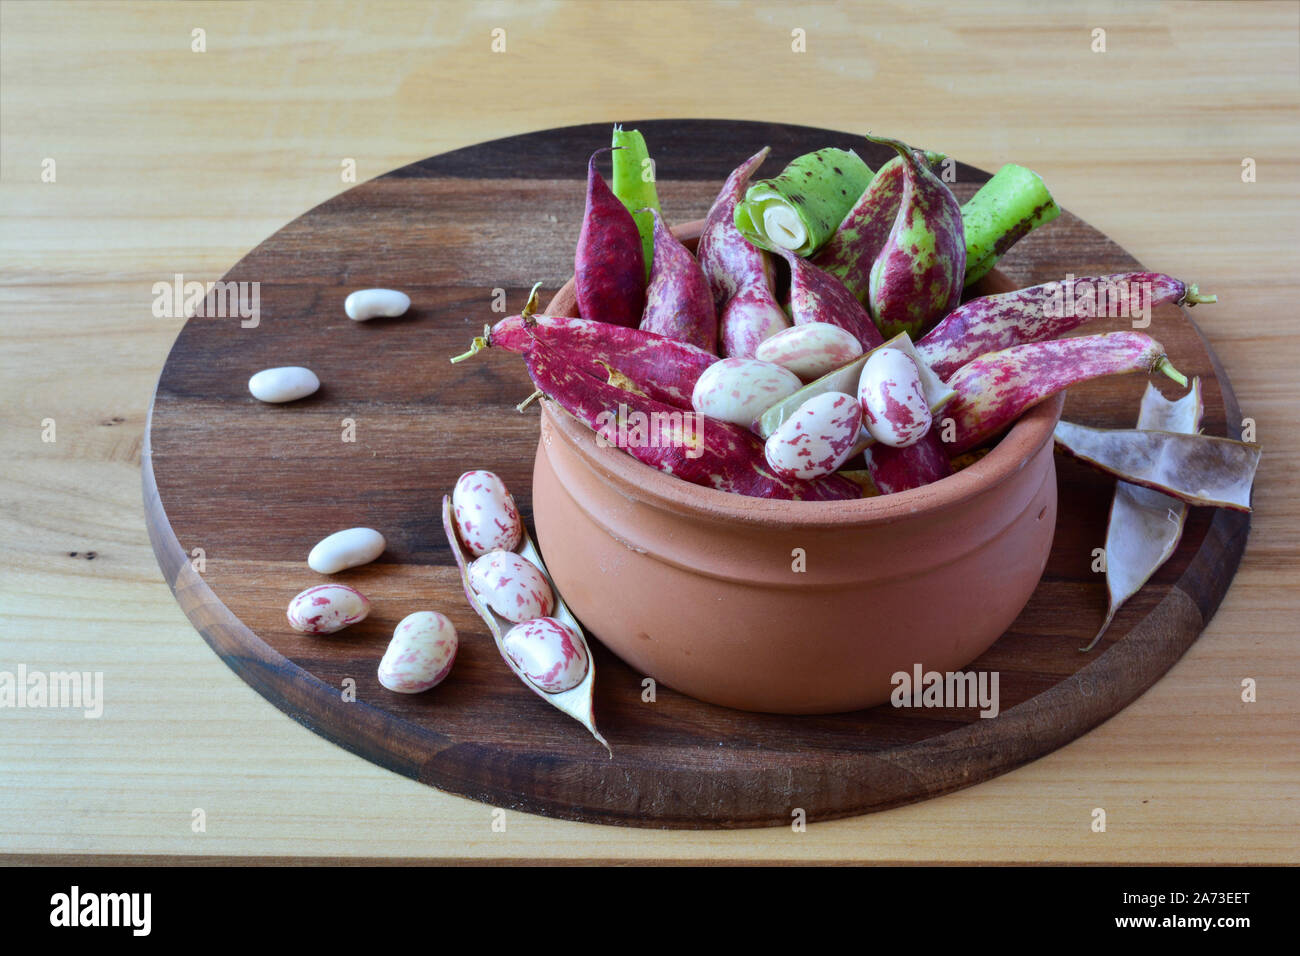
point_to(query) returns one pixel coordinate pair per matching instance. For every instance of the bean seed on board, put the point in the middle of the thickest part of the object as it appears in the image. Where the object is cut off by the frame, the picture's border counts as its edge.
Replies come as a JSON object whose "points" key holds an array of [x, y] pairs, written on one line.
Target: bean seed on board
{"points": [[376, 303], [346, 549], [285, 384]]}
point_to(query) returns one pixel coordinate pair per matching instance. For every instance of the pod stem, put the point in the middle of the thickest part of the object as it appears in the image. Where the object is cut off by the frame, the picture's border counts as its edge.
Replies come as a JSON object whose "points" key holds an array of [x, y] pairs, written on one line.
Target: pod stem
{"points": [[1167, 367], [1194, 296], [531, 305], [480, 343], [528, 401]]}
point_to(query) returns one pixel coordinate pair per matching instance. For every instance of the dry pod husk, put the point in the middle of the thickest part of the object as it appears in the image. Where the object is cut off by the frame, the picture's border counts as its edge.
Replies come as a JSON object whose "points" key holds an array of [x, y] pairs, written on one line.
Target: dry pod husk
{"points": [[575, 702], [1145, 526], [1197, 469]]}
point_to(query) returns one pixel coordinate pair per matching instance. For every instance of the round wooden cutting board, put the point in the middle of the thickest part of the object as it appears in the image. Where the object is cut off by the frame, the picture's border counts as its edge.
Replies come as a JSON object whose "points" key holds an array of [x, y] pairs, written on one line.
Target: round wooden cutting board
{"points": [[237, 492]]}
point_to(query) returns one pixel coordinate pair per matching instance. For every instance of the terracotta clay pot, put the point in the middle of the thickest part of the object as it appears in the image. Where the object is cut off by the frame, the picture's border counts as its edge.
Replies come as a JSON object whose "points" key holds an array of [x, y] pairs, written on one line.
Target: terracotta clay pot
{"points": [[702, 591]]}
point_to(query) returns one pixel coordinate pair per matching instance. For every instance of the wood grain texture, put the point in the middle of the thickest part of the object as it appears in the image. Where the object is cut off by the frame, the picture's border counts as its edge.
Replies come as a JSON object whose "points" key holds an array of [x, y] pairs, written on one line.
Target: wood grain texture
{"points": [[1145, 141], [214, 458]]}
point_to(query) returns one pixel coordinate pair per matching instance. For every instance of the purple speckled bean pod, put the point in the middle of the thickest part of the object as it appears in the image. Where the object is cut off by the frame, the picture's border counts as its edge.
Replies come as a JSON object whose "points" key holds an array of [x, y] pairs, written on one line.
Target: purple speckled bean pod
{"points": [[917, 278], [661, 368], [996, 389], [818, 296], [608, 265], [1043, 312], [901, 469], [709, 452], [739, 275], [679, 302], [852, 250]]}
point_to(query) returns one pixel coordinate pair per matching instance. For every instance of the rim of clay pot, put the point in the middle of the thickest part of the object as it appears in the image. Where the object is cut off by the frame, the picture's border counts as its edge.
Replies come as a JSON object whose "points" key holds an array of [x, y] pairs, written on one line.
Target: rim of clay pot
{"points": [[1025, 438], [635, 479]]}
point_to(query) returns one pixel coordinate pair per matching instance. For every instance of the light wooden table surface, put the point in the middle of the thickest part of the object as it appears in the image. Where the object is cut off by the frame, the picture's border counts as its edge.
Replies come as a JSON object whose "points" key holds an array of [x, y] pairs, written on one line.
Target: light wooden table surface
{"points": [[174, 161]]}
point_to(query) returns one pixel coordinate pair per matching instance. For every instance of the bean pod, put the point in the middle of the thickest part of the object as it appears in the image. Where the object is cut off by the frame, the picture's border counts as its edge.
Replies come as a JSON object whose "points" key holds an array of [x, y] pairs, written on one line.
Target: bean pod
{"points": [[995, 322], [661, 368], [739, 275], [679, 302], [608, 266], [918, 276], [817, 296], [689, 446], [995, 389], [852, 250]]}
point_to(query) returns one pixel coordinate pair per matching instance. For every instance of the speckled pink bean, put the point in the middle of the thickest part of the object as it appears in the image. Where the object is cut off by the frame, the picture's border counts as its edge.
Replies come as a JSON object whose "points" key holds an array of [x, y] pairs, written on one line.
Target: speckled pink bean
{"points": [[810, 351], [894, 409], [512, 586], [327, 608], [738, 390], [549, 652], [817, 439], [485, 513], [421, 653]]}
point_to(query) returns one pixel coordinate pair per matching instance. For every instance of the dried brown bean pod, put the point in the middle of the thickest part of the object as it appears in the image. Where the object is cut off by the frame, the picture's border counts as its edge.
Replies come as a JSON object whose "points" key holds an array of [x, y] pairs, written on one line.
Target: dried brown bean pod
{"points": [[1145, 526], [1198, 469]]}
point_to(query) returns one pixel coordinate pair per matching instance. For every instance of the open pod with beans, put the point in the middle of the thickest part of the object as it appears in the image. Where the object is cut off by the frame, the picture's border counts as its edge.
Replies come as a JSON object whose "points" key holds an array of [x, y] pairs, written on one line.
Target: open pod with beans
{"points": [[536, 634]]}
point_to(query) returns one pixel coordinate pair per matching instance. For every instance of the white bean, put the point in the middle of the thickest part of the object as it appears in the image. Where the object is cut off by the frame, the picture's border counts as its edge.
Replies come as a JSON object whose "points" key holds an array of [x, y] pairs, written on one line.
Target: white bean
{"points": [[346, 549], [285, 384], [375, 303]]}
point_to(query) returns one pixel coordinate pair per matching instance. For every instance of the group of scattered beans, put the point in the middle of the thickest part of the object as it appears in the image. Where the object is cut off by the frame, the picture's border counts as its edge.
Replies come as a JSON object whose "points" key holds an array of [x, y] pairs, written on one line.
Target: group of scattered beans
{"points": [[289, 383], [820, 436], [424, 644]]}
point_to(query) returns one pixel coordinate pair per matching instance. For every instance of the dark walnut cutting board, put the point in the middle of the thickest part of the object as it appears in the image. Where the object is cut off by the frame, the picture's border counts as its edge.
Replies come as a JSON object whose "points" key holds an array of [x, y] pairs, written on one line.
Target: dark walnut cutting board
{"points": [[255, 486]]}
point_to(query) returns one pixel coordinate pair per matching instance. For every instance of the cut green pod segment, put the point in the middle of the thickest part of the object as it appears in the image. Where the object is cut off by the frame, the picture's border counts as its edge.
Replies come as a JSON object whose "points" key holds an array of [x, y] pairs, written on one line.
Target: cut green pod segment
{"points": [[1197, 469], [634, 185], [800, 208], [1005, 210], [1145, 526], [845, 379]]}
